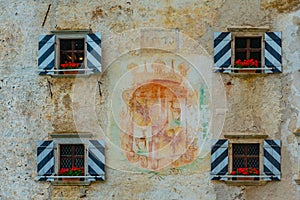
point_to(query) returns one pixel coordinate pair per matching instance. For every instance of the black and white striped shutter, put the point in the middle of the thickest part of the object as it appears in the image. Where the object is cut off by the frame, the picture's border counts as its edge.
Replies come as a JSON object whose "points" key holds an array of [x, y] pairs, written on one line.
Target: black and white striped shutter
{"points": [[273, 58], [96, 159], [222, 51], [45, 160], [219, 160], [46, 54], [93, 52], [272, 159]]}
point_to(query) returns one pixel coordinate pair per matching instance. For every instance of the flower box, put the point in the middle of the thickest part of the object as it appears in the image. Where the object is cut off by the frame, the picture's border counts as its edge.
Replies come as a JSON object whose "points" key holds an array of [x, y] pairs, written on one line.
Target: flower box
{"points": [[245, 178], [244, 173], [74, 171], [70, 65], [70, 179], [70, 72], [248, 71], [242, 66]]}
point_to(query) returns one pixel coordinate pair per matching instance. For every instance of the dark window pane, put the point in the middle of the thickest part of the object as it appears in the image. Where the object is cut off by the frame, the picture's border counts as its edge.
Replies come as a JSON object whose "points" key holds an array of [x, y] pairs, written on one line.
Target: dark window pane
{"points": [[238, 149], [66, 150], [66, 163], [240, 42], [71, 50], [71, 156], [79, 44], [253, 162], [245, 155], [253, 149], [65, 57], [79, 162], [240, 55], [255, 55], [78, 57], [238, 162], [79, 150], [65, 44], [255, 42], [247, 48]]}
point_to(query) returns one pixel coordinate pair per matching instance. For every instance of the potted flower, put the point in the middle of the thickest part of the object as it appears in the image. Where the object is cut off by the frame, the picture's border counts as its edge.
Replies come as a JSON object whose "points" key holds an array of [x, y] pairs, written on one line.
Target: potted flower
{"points": [[245, 172], [248, 63], [74, 171], [70, 65]]}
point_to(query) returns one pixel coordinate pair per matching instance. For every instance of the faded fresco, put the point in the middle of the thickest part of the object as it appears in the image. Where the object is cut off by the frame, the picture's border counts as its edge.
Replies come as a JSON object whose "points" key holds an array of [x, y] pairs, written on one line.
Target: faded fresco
{"points": [[160, 109]]}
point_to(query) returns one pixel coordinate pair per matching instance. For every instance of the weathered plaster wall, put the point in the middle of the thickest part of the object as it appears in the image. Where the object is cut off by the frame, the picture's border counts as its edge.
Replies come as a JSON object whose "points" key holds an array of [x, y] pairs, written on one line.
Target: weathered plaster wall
{"points": [[33, 106]]}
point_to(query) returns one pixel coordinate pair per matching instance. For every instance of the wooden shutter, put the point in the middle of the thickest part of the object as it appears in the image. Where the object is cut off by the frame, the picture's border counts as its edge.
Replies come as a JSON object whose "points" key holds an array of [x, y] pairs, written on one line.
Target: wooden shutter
{"points": [[93, 52], [219, 160], [272, 152], [45, 160], [222, 51], [46, 54], [273, 58], [96, 159]]}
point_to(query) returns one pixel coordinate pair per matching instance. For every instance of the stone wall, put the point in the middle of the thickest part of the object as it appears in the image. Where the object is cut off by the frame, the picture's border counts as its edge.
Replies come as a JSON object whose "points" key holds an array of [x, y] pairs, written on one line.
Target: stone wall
{"points": [[34, 106]]}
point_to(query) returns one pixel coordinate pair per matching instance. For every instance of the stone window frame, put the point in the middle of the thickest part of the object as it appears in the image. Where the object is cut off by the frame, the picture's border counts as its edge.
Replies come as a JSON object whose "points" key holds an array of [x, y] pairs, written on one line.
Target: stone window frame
{"points": [[69, 138], [248, 32], [59, 35], [218, 158], [48, 158], [271, 54], [49, 53], [245, 139]]}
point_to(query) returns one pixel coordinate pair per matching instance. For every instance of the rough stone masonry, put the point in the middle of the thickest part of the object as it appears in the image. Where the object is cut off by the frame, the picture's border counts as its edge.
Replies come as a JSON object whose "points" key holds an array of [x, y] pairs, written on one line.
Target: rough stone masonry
{"points": [[34, 106]]}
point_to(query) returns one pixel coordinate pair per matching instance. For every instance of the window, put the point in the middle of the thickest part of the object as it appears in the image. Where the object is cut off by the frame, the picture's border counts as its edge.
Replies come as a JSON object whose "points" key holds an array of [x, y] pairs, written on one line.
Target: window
{"points": [[247, 48], [69, 51], [72, 156], [67, 151], [228, 155], [245, 44], [245, 155]]}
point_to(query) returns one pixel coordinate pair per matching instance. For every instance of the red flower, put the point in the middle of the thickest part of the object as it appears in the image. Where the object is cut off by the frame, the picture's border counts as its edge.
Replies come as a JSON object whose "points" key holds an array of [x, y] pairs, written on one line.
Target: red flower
{"points": [[245, 171], [73, 171], [250, 63], [70, 65]]}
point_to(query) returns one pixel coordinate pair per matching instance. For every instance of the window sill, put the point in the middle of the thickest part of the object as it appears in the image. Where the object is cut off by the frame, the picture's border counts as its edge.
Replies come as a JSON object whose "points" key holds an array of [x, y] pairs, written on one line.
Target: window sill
{"points": [[79, 31], [232, 135], [249, 71], [297, 133], [297, 181], [245, 183], [70, 183], [71, 135], [71, 75], [248, 29], [242, 71]]}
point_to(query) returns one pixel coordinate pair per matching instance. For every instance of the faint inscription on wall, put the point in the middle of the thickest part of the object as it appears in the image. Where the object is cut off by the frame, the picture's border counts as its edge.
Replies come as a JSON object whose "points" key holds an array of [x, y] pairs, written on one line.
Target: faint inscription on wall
{"points": [[167, 39]]}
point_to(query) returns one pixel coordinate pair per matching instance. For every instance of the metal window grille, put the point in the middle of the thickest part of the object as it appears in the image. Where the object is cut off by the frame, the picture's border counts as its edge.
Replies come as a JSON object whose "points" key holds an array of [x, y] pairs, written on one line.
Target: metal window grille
{"points": [[245, 155], [71, 156]]}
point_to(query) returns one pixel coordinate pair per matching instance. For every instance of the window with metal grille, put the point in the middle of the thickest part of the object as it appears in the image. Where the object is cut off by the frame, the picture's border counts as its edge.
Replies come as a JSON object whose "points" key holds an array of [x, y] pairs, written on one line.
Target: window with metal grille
{"points": [[247, 48], [71, 50], [245, 155], [71, 155]]}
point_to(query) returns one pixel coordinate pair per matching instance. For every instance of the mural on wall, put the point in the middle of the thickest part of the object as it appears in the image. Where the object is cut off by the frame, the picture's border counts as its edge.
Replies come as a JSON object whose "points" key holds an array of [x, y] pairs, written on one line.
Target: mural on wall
{"points": [[160, 114]]}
